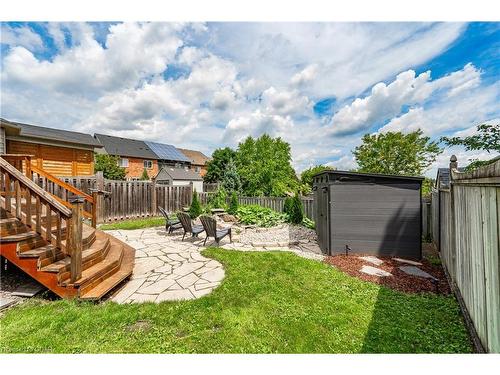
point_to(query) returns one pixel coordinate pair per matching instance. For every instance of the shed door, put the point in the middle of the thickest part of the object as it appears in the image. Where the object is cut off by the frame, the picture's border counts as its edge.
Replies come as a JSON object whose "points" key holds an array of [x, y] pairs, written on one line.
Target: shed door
{"points": [[321, 220], [375, 218]]}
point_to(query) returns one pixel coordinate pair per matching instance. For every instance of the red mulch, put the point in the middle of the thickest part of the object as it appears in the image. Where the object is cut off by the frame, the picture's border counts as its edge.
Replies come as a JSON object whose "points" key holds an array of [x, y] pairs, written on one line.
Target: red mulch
{"points": [[399, 280]]}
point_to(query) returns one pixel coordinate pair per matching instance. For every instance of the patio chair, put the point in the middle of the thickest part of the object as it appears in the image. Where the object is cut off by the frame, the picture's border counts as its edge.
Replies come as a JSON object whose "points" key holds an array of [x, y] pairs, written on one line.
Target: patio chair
{"points": [[210, 226], [170, 224], [188, 226]]}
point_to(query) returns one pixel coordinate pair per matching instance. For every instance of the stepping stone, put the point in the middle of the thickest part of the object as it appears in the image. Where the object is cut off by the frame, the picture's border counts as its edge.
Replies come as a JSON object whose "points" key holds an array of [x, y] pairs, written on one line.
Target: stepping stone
{"points": [[136, 297], [415, 271], [145, 265], [407, 261], [372, 259], [29, 289], [129, 289], [6, 302], [373, 271], [187, 268]]}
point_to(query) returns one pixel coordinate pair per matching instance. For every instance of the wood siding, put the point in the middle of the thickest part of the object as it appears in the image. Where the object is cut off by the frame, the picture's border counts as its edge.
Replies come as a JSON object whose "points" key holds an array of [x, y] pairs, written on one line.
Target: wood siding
{"points": [[56, 160]]}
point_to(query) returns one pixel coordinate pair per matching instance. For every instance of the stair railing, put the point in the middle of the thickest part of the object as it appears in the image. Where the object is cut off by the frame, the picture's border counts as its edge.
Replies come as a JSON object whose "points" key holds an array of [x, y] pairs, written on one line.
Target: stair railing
{"points": [[42, 215]]}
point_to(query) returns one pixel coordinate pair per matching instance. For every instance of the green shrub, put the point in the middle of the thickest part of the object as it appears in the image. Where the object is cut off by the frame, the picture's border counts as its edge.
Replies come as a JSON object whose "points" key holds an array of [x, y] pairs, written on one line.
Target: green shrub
{"points": [[144, 175], [296, 212], [195, 208], [287, 206], [260, 216], [308, 223], [218, 200], [233, 204]]}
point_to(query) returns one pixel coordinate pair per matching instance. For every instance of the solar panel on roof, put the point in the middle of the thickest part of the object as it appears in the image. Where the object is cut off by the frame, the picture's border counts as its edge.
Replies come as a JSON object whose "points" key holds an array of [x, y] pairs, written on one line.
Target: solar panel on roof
{"points": [[167, 152]]}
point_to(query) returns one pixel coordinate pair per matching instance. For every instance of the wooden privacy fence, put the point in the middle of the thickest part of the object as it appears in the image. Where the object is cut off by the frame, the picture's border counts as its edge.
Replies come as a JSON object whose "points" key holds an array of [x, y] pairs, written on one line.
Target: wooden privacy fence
{"points": [[120, 200], [466, 224]]}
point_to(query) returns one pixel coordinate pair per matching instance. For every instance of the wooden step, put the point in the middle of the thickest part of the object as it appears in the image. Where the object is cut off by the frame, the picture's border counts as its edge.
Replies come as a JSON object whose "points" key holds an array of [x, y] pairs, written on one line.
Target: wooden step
{"points": [[98, 271], [11, 225], [98, 251], [125, 271], [42, 251], [19, 237]]}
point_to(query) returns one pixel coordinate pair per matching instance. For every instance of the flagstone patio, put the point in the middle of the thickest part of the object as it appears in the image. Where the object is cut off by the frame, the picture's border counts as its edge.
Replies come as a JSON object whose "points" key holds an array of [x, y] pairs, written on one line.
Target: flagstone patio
{"points": [[167, 268]]}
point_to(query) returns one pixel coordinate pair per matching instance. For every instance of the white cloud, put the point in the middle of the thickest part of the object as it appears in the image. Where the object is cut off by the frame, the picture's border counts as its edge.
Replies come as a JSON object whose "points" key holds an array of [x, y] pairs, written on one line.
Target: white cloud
{"points": [[285, 102], [305, 76], [20, 36]]}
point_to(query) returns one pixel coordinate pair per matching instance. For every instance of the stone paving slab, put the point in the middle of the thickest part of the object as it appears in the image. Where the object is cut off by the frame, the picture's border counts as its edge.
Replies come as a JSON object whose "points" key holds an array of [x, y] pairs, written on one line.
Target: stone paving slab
{"points": [[407, 261], [415, 271], [374, 271], [372, 259]]}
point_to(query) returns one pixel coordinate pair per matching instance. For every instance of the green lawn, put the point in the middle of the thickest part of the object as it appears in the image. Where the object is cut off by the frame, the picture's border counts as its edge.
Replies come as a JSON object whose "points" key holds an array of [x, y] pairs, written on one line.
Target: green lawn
{"points": [[135, 223], [271, 302]]}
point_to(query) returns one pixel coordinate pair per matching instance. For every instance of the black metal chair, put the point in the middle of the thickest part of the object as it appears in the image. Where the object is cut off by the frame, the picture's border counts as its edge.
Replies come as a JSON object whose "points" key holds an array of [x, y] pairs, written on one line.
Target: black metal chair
{"points": [[210, 226], [188, 226], [170, 224]]}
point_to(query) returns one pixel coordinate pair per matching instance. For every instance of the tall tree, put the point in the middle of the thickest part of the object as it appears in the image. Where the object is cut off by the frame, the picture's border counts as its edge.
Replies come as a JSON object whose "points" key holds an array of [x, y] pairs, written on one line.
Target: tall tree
{"points": [[108, 164], [230, 178], [264, 166], [396, 153], [218, 164]]}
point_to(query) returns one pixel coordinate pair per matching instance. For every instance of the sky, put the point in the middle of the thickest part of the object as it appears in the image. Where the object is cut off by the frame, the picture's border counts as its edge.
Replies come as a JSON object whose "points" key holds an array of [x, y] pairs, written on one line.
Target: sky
{"points": [[319, 86]]}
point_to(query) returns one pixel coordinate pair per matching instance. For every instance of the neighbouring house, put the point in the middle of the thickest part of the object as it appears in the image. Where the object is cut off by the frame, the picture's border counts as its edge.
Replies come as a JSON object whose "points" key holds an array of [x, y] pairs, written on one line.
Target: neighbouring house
{"points": [[443, 178], [135, 155], [198, 160], [169, 156], [59, 152], [179, 177]]}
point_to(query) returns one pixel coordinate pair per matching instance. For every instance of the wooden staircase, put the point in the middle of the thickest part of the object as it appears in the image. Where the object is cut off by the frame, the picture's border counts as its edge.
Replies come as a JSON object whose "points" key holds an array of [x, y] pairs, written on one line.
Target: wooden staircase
{"points": [[50, 242]]}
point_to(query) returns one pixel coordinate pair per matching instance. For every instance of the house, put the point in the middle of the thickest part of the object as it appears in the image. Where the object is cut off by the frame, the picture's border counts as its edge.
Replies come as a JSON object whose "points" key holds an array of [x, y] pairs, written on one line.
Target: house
{"points": [[198, 160], [443, 178], [59, 152], [169, 156], [134, 155], [179, 177]]}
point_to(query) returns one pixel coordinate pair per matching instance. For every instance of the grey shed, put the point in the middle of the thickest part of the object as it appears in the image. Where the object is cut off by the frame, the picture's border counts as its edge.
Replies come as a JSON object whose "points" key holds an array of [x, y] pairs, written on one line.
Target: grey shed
{"points": [[368, 213]]}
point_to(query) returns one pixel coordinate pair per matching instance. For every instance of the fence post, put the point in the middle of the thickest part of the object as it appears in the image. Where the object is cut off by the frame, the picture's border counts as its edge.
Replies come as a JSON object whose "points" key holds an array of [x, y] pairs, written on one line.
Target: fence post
{"points": [[75, 237], [453, 165], [153, 197]]}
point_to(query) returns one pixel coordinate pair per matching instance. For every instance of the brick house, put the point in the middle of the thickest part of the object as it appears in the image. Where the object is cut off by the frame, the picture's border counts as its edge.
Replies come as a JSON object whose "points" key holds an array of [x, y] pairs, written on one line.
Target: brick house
{"points": [[198, 160]]}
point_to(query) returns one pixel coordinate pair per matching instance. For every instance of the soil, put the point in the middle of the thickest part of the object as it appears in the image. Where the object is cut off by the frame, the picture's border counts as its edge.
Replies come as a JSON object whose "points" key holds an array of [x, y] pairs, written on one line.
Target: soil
{"points": [[351, 264]]}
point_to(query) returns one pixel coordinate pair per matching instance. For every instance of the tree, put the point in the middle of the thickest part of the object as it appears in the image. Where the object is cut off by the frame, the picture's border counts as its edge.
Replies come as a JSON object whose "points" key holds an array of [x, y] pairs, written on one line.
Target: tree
{"points": [[144, 175], [487, 138], [230, 178], [195, 208], [396, 153], [264, 166], [306, 177], [216, 167], [233, 204], [108, 164], [295, 210]]}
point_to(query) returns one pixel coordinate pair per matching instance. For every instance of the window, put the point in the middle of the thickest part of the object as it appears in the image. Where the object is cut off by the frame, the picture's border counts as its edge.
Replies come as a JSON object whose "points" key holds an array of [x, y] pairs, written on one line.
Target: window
{"points": [[148, 164], [197, 169], [123, 162]]}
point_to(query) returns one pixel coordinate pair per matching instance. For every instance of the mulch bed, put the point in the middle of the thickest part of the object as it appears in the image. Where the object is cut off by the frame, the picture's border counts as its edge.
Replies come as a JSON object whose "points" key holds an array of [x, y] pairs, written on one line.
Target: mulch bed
{"points": [[351, 264]]}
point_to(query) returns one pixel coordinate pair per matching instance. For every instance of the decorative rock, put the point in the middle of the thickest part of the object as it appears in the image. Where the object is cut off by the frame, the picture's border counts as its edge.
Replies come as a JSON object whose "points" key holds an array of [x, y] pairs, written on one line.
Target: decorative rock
{"points": [[407, 261], [373, 271], [372, 259], [415, 271]]}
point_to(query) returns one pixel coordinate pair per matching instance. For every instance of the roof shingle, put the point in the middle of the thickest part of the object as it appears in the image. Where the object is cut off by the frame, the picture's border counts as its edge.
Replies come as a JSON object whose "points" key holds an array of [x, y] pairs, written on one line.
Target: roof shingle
{"points": [[126, 147]]}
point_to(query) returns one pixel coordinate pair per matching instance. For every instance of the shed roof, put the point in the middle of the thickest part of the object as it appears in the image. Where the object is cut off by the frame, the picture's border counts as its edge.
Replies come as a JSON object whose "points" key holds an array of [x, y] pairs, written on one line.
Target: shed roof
{"points": [[126, 147], [369, 175], [167, 173], [51, 134], [196, 157], [167, 152], [443, 177]]}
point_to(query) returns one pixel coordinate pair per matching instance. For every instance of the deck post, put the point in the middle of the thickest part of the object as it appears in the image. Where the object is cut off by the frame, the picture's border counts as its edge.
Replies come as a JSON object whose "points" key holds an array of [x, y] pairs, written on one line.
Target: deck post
{"points": [[75, 237]]}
